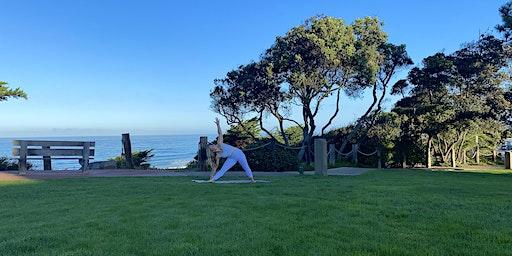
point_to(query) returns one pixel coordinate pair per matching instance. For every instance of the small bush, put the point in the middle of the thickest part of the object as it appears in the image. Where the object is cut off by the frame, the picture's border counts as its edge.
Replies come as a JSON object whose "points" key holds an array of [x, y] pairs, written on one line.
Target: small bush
{"points": [[140, 160], [272, 158], [9, 165]]}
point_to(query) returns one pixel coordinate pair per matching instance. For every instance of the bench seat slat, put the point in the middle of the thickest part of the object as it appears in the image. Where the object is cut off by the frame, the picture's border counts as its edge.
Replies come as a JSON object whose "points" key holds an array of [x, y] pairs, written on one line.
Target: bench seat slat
{"points": [[52, 152], [44, 143]]}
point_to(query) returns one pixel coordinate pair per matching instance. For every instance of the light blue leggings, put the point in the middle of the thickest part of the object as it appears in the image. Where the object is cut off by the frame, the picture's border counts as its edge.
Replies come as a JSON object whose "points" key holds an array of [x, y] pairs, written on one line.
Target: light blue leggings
{"points": [[237, 156]]}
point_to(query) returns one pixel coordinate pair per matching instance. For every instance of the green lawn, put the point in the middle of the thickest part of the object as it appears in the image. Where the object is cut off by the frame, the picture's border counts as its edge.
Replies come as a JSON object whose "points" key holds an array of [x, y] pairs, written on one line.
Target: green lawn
{"points": [[378, 213]]}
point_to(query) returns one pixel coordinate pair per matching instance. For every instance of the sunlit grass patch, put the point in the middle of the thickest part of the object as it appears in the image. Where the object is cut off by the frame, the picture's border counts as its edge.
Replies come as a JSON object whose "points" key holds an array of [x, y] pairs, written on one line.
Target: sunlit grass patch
{"points": [[388, 212]]}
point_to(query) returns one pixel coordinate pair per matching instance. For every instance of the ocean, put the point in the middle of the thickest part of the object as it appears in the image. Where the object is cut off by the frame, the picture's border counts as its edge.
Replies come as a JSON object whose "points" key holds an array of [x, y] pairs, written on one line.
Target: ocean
{"points": [[171, 151]]}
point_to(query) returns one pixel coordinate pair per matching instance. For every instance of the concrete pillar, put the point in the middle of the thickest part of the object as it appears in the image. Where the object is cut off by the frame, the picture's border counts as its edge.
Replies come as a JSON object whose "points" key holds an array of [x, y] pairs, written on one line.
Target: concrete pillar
{"points": [[508, 160], [321, 156]]}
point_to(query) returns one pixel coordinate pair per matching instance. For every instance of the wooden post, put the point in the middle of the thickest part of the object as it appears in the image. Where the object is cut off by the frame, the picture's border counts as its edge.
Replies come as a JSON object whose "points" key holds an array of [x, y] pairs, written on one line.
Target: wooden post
{"points": [[454, 164], [332, 154], [429, 155], [354, 153], [127, 146], [477, 150], [379, 159], [508, 160], [22, 164], [201, 154], [47, 160], [85, 156], [321, 156], [274, 155], [494, 156]]}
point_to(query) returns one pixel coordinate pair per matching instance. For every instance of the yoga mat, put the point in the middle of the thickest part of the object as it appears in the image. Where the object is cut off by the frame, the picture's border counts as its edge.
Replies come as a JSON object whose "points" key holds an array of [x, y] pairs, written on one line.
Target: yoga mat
{"points": [[231, 181]]}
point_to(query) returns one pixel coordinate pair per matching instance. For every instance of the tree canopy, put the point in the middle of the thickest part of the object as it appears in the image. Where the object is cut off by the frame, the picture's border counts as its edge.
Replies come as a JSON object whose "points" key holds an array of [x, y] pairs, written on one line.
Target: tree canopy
{"points": [[321, 58]]}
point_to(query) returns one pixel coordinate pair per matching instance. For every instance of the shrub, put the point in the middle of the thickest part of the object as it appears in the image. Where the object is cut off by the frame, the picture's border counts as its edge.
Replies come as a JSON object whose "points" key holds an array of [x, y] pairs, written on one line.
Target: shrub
{"points": [[140, 160], [272, 158], [8, 165]]}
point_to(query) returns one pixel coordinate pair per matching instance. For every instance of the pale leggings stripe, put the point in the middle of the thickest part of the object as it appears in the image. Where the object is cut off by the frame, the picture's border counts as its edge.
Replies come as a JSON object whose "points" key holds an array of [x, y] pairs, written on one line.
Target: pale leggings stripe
{"points": [[237, 156]]}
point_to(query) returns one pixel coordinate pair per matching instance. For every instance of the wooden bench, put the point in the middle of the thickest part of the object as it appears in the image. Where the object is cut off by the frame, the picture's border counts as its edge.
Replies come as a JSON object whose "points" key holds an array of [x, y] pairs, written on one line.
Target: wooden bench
{"points": [[52, 150]]}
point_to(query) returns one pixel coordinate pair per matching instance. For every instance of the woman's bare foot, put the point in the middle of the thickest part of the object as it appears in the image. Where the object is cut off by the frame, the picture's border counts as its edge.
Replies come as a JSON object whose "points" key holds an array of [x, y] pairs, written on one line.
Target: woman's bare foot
{"points": [[211, 181], [252, 180]]}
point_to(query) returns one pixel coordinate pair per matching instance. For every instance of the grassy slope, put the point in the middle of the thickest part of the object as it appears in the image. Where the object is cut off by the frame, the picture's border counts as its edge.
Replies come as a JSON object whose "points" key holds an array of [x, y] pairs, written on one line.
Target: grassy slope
{"points": [[384, 213]]}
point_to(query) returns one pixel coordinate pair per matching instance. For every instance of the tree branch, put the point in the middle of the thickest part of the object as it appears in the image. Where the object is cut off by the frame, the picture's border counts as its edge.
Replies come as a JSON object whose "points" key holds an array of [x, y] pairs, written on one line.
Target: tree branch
{"points": [[335, 112]]}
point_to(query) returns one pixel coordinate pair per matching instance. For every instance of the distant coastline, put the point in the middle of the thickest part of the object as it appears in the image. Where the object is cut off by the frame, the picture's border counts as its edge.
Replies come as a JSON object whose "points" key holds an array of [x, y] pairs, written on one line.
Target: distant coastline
{"points": [[171, 151]]}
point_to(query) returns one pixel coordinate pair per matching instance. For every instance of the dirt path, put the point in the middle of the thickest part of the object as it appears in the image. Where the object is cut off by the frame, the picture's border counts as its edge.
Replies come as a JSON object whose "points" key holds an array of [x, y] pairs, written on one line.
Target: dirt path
{"points": [[7, 176], [343, 171]]}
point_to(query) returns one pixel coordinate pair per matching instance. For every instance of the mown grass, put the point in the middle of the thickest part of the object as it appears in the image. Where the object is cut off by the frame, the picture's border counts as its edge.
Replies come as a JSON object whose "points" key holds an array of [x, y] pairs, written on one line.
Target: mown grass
{"points": [[388, 212]]}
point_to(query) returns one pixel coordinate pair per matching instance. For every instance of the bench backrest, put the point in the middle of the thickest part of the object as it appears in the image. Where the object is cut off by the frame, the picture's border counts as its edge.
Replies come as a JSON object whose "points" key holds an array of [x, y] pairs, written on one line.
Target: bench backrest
{"points": [[42, 148]]}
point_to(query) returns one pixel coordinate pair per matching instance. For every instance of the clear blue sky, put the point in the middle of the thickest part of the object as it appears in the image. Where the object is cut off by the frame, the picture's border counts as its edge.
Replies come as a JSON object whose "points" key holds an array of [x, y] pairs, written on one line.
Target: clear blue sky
{"points": [[147, 67]]}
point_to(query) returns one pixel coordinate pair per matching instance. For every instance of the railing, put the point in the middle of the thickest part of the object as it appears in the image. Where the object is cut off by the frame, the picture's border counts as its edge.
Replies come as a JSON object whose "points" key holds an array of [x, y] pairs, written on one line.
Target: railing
{"points": [[331, 154]]}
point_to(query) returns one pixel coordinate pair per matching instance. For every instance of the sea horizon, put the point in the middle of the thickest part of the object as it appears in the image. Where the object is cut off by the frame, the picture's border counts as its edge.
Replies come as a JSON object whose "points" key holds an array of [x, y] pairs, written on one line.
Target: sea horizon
{"points": [[102, 135], [170, 151]]}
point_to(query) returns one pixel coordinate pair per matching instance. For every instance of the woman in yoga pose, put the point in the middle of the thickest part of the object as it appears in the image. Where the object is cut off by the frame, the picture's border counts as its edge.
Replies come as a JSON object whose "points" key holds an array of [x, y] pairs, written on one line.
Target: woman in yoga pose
{"points": [[232, 154]]}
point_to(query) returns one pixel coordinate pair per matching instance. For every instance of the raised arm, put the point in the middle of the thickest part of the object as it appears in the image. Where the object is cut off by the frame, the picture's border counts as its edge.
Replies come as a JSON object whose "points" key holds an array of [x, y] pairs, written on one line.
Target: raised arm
{"points": [[220, 138]]}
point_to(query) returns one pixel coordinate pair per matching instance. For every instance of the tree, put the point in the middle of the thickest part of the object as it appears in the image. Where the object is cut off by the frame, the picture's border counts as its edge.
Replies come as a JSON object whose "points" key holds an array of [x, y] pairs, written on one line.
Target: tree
{"points": [[250, 89], [454, 96], [293, 134], [243, 134], [6, 92], [394, 58], [321, 58], [325, 57], [506, 17]]}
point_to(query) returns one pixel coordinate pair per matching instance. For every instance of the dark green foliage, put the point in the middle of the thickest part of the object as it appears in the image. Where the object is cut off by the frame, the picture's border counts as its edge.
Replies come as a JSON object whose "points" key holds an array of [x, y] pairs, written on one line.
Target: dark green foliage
{"points": [[294, 135], [10, 165], [6, 92], [506, 16], [140, 160], [243, 134], [452, 99], [307, 65], [271, 158]]}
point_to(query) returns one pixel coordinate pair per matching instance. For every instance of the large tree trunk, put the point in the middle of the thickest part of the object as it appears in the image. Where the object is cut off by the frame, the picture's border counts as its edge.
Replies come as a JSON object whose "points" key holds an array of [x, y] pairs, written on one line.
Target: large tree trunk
{"points": [[454, 163], [305, 132], [361, 120], [429, 155], [264, 129], [335, 112], [283, 133]]}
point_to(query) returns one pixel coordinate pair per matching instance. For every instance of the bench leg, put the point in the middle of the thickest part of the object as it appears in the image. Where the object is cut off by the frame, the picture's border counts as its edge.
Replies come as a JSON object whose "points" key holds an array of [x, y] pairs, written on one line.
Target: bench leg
{"points": [[85, 157], [85, 165], [22, 164], [47, 161]]}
